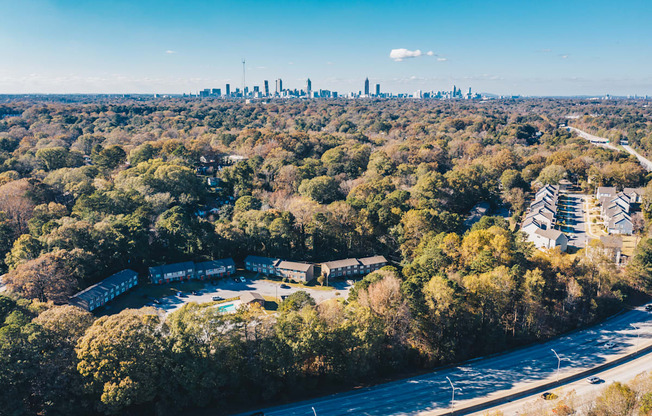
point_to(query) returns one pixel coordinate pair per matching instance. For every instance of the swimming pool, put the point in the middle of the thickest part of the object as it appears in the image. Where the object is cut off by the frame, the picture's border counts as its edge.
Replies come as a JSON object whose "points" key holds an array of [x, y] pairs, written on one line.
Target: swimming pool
{"points": [[229, 308]]}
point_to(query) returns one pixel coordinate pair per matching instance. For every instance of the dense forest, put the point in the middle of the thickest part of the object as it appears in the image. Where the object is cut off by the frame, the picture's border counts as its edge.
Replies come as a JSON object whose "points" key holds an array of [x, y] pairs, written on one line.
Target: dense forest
{"points": [[89, 186]]}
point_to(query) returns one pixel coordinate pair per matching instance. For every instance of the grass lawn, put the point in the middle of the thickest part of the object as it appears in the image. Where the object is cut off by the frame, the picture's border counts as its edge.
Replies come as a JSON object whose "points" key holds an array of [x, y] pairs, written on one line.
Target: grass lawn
{"points": [[629, 245]]}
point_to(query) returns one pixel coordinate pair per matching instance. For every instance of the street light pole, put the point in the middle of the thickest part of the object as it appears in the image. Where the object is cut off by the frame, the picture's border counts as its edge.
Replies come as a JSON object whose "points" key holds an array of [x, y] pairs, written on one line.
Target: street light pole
{"points": [[638, 335], [453, 388], [558, 362]]}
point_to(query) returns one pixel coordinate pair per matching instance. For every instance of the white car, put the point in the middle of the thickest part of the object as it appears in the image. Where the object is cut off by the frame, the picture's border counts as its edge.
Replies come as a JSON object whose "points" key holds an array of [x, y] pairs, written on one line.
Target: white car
{"points": [[610, 344], [594, 380]]}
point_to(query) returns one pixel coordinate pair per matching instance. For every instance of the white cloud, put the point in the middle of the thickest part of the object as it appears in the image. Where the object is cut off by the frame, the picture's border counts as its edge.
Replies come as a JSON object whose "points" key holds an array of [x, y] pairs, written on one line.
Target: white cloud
{"points": [[399, 54], [563, 56], [430, 53], [170, 51], [442, 59]]}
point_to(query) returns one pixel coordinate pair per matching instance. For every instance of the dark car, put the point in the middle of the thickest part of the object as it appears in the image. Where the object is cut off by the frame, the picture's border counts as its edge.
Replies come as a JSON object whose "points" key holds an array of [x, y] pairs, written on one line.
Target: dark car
{"points": [[217, 298], [548, 396], [181, 294], [284, 286], [648, 308], [195, 293]]}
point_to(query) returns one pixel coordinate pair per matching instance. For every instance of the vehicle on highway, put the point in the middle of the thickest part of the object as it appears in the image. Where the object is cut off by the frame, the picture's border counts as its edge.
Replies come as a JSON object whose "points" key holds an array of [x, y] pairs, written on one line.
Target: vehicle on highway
{"points": [[242, 279], [284, 286], [648, 308], [548, 396], [217, 298], [594, 380], [181, 294], [610, 344], [195, 293]]}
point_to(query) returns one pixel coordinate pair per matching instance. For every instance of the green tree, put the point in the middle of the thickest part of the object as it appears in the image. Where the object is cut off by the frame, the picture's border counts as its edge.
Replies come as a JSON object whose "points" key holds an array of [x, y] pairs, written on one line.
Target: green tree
{"points": [[322, 189]]}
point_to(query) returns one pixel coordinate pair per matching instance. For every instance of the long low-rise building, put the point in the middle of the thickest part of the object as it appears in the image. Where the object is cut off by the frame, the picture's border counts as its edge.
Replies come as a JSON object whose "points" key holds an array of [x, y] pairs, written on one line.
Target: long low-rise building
{"points": [[188, 271], [100, 293], [293, 270], [352, 266], [540, 221]]}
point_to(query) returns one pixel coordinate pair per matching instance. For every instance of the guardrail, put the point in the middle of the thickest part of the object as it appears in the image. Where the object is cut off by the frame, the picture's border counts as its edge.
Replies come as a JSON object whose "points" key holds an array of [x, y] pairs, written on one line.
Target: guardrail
{"points": [[545, 386]]}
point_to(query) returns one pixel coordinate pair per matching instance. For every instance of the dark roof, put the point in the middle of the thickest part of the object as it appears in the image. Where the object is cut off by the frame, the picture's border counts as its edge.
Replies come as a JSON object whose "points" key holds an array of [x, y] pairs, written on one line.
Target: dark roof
{"points": [[105, 285], [214, 264], [172, 268], [261, 260]]}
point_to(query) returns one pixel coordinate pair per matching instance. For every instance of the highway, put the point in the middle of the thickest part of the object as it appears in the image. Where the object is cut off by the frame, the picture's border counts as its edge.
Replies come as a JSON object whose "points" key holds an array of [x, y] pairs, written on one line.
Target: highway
{"points": [[488, 378], [601, 141], [583, 391]]}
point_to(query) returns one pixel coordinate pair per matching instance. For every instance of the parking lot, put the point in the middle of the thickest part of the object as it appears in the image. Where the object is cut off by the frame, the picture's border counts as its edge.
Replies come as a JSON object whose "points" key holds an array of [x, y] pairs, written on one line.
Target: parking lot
{"points": [[229, 288]]}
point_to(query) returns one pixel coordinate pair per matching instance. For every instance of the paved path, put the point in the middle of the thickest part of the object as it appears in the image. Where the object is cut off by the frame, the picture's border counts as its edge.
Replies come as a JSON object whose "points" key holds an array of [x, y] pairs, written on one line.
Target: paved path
{"points": [[601, 141], [484, 379]]}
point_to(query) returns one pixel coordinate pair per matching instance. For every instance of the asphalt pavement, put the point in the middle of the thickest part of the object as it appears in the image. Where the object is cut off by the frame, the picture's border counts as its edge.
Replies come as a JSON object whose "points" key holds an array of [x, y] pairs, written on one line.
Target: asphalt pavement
{"points": [[228, 288], [487, 378]]}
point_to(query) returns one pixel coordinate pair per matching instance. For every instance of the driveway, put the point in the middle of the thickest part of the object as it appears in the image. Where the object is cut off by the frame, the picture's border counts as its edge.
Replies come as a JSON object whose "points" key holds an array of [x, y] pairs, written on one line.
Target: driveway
{"points": [[228, 288], [575, 217]]}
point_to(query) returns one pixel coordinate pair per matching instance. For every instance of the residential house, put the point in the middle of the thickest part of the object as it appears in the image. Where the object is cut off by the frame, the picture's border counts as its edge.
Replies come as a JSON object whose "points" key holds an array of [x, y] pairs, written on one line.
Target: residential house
{"points": [[605, 192], [620, 223], [100, 293], [540, 221], [478, 211], [546, 239], [635, 194], [612, 247]]}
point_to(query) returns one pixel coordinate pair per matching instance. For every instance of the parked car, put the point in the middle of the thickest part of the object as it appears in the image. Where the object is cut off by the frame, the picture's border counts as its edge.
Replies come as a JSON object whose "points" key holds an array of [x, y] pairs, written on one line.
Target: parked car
{"points": [[217, 298], [594, 380], [548, 396], [610, 344], [648, 308], [242, 279], [181, 294], [284, 286], [195, 293]]}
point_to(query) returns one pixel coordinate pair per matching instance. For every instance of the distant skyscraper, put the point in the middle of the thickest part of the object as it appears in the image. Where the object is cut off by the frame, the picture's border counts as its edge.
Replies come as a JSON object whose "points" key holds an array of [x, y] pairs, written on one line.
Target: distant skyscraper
{"points": [[266, 88], [366, 86], [279, 86], [308, 87], [377, 90], [228, 89]]}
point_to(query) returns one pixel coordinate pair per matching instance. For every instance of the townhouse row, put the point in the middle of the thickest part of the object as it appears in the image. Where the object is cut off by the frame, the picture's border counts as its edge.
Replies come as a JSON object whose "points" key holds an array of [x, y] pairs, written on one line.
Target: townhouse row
{"points": [[108, 289], [541, 219], [305, 272], [616, 208], [189, 270]]}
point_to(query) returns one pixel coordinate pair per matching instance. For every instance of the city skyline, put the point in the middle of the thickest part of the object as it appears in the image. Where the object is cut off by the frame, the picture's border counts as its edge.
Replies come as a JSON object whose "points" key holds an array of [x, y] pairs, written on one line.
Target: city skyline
{"points": [[509, 48]]}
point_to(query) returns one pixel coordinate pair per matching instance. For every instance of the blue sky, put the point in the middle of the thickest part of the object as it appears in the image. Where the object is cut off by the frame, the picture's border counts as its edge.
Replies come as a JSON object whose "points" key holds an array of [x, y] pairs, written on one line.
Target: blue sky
{"points": [[506, 47]]}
